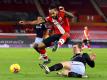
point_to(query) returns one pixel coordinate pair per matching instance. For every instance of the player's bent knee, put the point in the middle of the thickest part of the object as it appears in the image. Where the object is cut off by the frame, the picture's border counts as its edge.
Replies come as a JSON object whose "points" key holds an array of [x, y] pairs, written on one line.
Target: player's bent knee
{"points": [[66, 65], [35, 45], [41, 45]]}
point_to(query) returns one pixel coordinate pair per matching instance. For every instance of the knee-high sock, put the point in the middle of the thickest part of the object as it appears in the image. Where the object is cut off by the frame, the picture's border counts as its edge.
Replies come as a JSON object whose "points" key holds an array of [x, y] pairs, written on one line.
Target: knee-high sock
{"points": [[89, 46], [42, 52], [83, 46], [56, 67], [63, 39]]}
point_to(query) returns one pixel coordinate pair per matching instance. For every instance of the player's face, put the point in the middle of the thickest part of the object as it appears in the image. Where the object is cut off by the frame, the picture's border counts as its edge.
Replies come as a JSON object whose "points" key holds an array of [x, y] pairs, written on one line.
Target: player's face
{"points": [[76, 49], [39, 18], [86, 28], [53, 12], [61, 8]]}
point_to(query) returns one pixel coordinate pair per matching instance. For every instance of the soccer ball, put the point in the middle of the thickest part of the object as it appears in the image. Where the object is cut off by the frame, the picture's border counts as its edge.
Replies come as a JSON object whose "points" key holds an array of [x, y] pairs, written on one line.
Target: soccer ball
{"points": [[15, 68]]}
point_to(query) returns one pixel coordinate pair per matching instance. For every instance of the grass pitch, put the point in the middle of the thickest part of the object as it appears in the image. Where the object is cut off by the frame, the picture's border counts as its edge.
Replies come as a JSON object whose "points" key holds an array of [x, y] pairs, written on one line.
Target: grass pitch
{"points": [[27, 58]]}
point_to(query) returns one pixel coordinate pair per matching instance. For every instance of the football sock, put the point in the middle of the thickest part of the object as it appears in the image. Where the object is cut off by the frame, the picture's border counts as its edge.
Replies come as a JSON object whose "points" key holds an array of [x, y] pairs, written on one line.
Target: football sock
{"points": [[37, 49], [89, 46], [42, 52], [56, 67], [62, 40], [83, 46]]}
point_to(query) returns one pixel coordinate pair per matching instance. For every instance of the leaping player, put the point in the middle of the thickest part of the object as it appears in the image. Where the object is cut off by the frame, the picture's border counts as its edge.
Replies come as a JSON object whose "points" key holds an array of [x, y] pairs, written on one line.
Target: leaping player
{"points": [[61, 27]]}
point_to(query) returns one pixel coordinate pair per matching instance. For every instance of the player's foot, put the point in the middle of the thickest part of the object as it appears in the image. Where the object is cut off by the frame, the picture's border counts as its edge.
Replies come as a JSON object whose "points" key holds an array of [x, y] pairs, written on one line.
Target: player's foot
{"points": [[83, 48], [55, 47], [89, 49], [59, 73], [40, 58], [45, 68], [47, 61], [84, 76]]}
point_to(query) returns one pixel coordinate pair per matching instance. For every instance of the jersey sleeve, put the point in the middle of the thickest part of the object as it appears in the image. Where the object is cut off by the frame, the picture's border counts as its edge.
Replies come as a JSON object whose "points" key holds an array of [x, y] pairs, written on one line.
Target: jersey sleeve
{"points": [[88, 60], [44, 27], [48, 19]]}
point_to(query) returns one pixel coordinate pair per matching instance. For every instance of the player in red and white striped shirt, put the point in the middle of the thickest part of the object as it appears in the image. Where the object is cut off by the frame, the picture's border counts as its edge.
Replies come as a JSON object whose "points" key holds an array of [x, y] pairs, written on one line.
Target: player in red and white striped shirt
{"points": [[60, 27], [86, 40], [60, 19]]}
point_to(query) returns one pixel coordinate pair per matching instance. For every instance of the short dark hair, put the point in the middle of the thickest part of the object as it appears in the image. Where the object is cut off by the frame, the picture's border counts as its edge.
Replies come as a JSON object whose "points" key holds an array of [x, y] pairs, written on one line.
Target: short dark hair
{"points": [[79, 45], [52, 6]]}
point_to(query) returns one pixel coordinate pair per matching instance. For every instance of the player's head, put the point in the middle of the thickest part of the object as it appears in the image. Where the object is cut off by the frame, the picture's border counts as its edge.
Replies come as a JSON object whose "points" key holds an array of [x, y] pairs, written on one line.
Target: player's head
{"points": [[53, 11], [86, 28], [39, 18], [77, 48], [61, 8]]}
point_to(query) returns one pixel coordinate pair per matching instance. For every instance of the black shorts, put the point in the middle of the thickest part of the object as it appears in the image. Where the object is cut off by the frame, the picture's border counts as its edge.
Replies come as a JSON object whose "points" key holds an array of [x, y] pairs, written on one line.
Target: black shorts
{"points": [[85, 41], [73, 74], [48, 41]]}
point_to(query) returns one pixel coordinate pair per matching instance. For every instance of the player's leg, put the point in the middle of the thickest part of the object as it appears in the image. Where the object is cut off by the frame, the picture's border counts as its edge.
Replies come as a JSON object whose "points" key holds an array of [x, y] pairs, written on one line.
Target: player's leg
{"points": [[67, 73], [40, 47], [75, 69], [63, 73], [56, 67], [47, 42], [42, 51], [88, 44], [84, 42], [61, 41]]}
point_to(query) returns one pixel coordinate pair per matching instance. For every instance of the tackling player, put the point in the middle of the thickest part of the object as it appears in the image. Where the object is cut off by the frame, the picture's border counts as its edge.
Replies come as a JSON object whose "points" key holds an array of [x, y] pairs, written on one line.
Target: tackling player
{"points": [[42, 33], [76, 67], [86, 40]]}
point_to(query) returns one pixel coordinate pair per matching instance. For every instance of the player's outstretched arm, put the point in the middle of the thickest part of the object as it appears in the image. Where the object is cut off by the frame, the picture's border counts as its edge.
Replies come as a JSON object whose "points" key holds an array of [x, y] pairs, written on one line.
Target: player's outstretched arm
{"points": [[69, 14], [61, 8], [28, 22]]}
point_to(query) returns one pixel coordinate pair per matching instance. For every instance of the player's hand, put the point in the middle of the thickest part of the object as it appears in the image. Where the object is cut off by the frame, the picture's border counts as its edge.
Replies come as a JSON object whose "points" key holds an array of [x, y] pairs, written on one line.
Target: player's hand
{"points": [[61, 8], [87, 39], [22, 22], [93, 56]]}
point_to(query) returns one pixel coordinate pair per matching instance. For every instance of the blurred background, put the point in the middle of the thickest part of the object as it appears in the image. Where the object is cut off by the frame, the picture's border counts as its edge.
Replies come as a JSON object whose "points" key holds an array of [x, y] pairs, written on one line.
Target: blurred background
{"points": [[92, 13]]}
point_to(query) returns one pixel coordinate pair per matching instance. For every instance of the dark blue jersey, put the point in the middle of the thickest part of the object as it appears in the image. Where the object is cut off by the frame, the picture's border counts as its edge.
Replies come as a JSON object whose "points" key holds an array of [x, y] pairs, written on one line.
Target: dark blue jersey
{"points": [[40, 29], [84, 58]]}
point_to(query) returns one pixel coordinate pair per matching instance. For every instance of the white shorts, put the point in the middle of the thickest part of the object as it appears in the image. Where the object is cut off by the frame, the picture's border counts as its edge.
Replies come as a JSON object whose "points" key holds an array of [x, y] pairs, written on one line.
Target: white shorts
{"points": [[77, 67], [38, 40]]}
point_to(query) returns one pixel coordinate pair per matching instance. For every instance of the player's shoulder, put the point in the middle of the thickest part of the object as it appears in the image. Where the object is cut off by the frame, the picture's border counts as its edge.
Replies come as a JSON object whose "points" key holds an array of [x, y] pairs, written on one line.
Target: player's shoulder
{"points": [[85, 54], [48, 18]]}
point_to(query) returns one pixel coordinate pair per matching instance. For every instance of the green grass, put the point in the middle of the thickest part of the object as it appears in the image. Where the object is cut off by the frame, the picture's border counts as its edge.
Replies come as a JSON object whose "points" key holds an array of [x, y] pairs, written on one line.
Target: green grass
{"points": [[27, 58]]}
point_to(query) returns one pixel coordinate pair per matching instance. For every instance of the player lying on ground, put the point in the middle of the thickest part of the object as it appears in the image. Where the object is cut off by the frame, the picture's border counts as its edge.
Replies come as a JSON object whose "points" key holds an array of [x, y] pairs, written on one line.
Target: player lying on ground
{"points": [[76, 67], [60, 27], [42, 32], [86, 39]]}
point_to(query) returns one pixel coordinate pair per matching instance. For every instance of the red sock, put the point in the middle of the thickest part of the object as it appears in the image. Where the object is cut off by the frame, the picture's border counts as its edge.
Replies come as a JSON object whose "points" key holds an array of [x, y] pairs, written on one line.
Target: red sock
{"points": [[83, 46], [42, 52], [37, 49], [63, 39], [89, 46]]}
